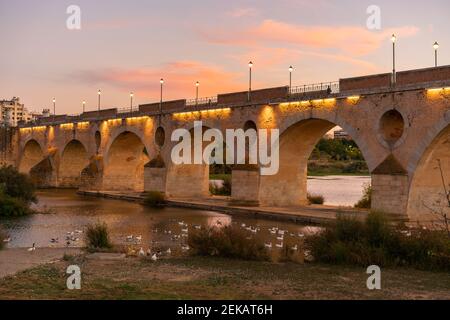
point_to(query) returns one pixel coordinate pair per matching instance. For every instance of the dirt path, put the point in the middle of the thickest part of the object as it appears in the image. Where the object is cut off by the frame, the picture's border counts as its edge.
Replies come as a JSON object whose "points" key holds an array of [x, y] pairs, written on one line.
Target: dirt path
{"points": [[15, 260]]}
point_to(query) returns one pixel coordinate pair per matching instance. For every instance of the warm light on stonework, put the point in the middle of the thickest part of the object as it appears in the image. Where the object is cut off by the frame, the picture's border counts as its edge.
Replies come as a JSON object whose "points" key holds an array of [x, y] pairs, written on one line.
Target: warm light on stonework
{"points": [[133, 120], [114, 122], [66, 126], [83, 125], [225, 112]]}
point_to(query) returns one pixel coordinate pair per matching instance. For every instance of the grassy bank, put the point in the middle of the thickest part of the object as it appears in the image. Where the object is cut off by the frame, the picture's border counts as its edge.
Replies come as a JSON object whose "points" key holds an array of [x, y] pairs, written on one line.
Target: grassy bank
{"points": [[217, 278]]}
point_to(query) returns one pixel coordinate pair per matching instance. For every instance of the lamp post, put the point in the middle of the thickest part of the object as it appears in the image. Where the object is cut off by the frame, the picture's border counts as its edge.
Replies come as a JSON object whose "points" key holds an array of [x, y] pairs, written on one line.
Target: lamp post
{"points": [[250, 66], [54, 108], [99, 97], [436, 47], [131, 102], [84, 106], [394, 75], [290, 79], [161, 96], [197, 84]]}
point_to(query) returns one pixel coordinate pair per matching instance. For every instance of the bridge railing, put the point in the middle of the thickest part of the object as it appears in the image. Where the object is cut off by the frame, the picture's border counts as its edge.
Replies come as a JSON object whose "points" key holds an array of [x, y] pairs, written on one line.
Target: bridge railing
{"points": [[201, 101], [127, 110], [331, 87]]}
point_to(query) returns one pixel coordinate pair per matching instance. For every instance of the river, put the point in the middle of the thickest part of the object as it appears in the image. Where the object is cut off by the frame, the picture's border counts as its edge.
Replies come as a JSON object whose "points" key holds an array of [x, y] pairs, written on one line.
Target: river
{"points": [[164, 228]]}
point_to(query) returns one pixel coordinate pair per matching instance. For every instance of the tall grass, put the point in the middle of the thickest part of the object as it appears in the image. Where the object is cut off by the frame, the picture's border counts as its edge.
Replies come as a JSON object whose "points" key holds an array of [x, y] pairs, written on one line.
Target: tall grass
{"points": [[376, 241], [227, 242], [315, 199], [97, 236], [366, 200], [155, 199]]}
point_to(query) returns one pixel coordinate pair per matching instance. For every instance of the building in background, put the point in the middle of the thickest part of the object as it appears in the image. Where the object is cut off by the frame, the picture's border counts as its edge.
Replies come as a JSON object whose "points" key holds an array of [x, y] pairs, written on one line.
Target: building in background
{"points": [[12, 111]]}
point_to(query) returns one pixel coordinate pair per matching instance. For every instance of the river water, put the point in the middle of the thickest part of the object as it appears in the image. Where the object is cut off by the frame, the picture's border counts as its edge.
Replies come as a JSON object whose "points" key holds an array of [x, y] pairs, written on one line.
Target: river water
{"points": [[137, 226]]}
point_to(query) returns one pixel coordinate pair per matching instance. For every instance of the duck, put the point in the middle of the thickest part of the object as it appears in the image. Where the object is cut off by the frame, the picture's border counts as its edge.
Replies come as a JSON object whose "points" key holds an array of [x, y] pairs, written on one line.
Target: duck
{"points": [[185, 247], [243, 225], [154, 257], [130, 238], [181, 223], [54, 240], [295, 248], [169, 251], [33, 248], [197, 227], [279, 245], [138, 238], [141, 252], [185, 230], [281, 238], [7, 240]]}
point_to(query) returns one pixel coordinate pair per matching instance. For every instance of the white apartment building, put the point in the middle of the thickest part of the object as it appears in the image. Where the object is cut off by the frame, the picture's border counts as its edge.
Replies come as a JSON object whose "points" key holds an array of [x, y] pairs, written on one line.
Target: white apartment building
{"points": [[12, 111]]}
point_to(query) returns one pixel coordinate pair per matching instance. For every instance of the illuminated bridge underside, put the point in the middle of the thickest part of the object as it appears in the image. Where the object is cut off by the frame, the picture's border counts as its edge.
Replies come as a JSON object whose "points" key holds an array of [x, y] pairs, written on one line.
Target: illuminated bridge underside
{"points": [[403, 132]]}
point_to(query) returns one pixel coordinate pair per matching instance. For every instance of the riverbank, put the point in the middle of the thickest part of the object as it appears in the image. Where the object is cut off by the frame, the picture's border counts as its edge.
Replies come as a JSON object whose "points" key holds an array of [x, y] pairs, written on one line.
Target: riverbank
{"points": [[313, 214], [214, 278], [16, 260]]}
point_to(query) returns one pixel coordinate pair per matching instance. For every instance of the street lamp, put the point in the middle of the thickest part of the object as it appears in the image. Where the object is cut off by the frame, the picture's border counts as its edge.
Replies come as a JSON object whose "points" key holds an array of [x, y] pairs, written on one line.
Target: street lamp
{"points": [[99, 96], [197, 84], [161, 96], [84, 106], [436, 47], [131, 102], [290, 79], [54, 108], [250, 66], [394, 75]]}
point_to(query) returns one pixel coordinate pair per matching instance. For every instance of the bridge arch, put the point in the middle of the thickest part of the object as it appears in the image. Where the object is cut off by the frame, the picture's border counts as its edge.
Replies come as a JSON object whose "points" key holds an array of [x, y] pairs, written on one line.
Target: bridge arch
{"points": [[32, 154], [430, 171], [74, 159], [125, 159], [296, 143]]}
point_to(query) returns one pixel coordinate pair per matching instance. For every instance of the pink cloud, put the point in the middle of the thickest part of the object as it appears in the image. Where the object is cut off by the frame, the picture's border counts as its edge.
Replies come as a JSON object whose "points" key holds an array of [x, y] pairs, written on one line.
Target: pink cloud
{"points": [[351, 40]]}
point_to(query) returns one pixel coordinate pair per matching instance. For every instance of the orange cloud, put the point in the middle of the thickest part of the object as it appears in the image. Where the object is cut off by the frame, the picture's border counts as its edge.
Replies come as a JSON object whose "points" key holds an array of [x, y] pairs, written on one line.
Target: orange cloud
{"points": [[180, 78]]}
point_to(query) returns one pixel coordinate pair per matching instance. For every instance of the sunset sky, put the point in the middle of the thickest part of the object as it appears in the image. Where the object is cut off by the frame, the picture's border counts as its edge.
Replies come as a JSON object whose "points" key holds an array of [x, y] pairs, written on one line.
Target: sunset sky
{"points": [[129, 45]]}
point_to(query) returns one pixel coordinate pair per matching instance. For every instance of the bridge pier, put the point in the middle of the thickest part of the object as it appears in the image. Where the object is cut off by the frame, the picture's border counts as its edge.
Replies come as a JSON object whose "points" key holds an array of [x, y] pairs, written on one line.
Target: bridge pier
{"points": [[390, 187], [91, 177], [245, 182], [155, 175], [44, 174], [188, 181]]}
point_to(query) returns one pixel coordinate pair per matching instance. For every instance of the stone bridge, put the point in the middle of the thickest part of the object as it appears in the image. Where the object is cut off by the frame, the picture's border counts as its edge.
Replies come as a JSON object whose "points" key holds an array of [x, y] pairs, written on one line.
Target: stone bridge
{"points": [[403, 131]]}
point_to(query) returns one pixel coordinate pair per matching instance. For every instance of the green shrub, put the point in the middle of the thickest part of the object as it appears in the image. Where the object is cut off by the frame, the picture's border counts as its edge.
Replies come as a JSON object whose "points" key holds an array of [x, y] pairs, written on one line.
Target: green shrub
{"points": [[316, 199], [224, 190], [97, 236], [228, 242], [13, 207], [366, 200], [17, 185], [376, 241], [155, 199]]}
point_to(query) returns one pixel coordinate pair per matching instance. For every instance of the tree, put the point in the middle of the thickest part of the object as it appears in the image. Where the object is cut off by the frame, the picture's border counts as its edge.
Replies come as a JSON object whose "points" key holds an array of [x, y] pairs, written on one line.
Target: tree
{"points": [[17, 185]]}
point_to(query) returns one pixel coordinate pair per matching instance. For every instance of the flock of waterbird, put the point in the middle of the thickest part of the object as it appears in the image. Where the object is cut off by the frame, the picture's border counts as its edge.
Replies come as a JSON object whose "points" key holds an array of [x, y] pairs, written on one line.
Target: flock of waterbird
{"points": [[136, 240]]}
